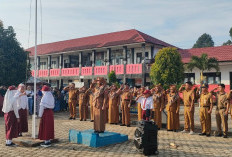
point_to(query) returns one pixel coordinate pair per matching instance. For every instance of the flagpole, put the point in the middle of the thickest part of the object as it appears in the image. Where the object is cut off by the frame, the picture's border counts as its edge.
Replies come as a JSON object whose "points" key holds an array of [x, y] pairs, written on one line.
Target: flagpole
{"points": [[35, 76]]}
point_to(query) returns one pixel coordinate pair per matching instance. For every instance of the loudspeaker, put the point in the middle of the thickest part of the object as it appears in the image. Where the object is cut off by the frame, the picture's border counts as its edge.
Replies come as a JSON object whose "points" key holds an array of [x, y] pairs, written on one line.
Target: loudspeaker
{"points": [[145, 138]]}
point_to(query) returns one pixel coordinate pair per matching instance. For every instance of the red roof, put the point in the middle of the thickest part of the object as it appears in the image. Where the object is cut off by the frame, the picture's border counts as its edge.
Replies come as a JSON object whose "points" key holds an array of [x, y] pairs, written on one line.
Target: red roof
{"points": [[222, 53], [97, 41]]}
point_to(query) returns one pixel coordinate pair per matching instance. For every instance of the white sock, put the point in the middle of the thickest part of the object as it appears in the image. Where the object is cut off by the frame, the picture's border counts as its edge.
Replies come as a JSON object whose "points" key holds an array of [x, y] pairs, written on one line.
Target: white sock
{"points": [[46, 141]]}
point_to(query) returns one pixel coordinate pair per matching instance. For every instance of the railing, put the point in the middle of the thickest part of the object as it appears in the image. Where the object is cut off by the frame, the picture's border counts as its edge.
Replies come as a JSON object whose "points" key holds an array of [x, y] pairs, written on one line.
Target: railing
{"points": [[133, 68], [100, 70], [54, 72], [43, 73], [118, 69], [70, 72], [86, 71]]}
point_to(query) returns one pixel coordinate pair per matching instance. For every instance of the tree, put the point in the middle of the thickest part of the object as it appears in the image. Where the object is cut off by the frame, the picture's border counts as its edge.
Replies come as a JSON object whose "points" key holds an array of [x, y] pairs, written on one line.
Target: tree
{"points": [[168, 68], [1, 23], [229, 42], [112, 77], [13, 58], [203, 63], [205, 40]]}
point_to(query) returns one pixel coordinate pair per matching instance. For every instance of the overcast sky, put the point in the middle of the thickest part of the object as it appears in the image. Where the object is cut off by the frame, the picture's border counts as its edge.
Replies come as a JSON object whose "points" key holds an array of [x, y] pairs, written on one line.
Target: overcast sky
{"points": [[178, 22]]}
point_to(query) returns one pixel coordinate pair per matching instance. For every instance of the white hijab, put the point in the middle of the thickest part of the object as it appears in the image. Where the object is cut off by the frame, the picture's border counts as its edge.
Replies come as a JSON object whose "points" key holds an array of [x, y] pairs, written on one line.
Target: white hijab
{"points": [[47, 100], [9, 101]]}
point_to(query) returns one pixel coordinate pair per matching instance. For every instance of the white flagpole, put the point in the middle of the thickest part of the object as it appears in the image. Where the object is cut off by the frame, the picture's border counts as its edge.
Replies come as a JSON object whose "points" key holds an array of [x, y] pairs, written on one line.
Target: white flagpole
{"points": [[34, 133]]}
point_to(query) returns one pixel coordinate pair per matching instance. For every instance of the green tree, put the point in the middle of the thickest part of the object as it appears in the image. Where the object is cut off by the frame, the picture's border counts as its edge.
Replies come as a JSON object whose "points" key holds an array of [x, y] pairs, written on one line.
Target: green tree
{"points": [[168, 68], [13, 58], [203, 63], [112, 77], [205, 40], [229, 42]]}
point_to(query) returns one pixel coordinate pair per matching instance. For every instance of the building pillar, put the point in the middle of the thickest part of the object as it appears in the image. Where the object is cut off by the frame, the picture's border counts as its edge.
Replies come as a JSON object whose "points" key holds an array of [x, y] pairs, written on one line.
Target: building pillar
{"points": [[93, 62], [70, 60], [124, 62], [61, 63], [108, 54], [143, 66], [80, 63], [49, 64]]}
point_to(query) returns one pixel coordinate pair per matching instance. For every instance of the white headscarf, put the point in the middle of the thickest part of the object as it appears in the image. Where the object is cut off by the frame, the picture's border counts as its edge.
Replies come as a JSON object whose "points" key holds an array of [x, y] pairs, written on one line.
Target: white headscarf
{"points": [[9, 101], [20, 86], [47, 100]]}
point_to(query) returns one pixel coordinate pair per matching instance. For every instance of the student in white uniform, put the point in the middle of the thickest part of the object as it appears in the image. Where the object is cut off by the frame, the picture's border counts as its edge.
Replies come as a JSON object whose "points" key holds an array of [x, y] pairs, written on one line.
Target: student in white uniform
{"points": [[22, 104], [11, 115], [146, 102], [46, 128]]}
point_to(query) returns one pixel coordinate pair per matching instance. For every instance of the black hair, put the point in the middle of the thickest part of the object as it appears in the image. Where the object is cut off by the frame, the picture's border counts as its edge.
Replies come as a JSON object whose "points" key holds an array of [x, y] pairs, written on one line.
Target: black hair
{"points": [[222, 85], [189, 83]]}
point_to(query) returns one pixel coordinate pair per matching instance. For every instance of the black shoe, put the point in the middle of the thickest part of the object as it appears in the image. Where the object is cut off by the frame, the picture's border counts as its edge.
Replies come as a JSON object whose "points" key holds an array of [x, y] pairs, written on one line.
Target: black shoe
{"points": [[115, 123], [158, 128], [218, 135], [84, 119], [169, 130], [173, 130], [122, 125], [111, 123], [101, 132], [11, 145], [202, 134], [96, 132], [46, 144], [207, 135], [224, 136], [20, 135], [128, 125], [81, 119], [91, 121], [74, 118], [70, 118]]}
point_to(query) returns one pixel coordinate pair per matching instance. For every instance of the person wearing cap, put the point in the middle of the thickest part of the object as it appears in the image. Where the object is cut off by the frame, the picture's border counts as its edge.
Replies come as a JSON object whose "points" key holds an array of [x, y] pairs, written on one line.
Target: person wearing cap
{"points": [[222, 110], [22, 104], [83, 103], [139, 92], [46, 127], [126, 97], [99, 104], [206, 106], [72, 100], [11, 115], [113, 105], [188, 99], [158, 100], [146, 102], [173, 108]]}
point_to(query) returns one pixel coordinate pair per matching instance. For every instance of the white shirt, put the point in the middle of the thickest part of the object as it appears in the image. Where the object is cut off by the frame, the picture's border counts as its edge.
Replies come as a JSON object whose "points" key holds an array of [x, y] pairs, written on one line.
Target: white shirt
{"points": [[148, 102], [22, 101], [9, 103], [30, 92]]}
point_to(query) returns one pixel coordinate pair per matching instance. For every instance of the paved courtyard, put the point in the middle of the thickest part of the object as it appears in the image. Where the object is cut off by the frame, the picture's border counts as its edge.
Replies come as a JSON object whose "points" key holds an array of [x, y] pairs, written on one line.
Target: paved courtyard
{"points": [[188, 145]]}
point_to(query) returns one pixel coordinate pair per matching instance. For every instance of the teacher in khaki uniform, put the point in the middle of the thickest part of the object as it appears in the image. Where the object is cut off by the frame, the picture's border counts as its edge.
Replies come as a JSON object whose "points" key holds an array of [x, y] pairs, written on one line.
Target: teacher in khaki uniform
{"points": [[158, 101], [83, 104], [126, 97], [206, 106], [72, 100], [188, 98], [222, 110]]}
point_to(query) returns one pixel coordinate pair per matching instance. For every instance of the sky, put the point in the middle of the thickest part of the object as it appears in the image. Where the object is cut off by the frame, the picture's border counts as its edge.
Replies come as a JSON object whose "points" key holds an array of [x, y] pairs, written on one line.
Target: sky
{"points": [[178, 22]]}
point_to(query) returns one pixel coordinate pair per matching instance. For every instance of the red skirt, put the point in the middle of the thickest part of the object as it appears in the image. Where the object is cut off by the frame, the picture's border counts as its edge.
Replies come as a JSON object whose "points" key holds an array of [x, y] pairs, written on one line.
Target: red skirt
{"points": [[46, 127], [11, 125], [23, 124]]}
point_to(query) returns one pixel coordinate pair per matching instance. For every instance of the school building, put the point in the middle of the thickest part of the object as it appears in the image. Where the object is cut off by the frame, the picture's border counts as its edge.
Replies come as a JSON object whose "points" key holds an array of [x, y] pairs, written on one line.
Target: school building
{"points": [[129, 53]]}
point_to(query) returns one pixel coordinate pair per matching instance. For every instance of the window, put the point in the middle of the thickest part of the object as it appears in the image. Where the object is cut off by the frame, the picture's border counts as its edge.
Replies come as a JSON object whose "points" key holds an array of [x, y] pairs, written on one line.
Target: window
{"points": [[139, 58], [129, 57], [43, 65], [116, 57], [66, 63], [53, 65], [99, 58], [146, 55], [212, 78], [189, 77]]}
